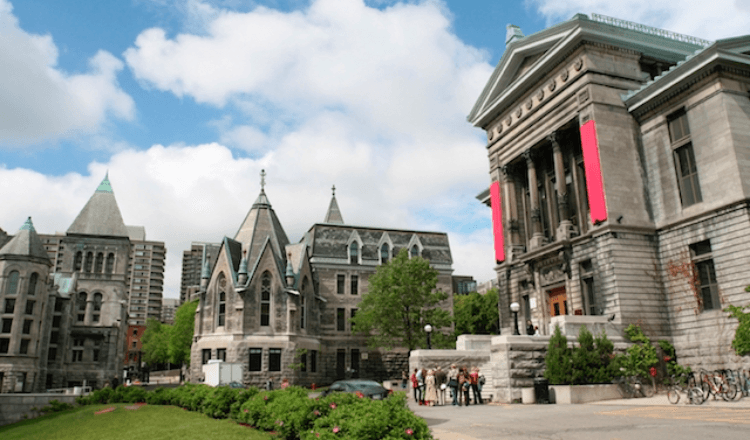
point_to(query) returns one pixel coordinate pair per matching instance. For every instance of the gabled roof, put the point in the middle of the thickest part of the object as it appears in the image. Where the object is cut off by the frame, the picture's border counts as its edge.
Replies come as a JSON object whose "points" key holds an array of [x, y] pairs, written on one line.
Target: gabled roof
{"points": [[261, 223], [101, 215], [26, 243], [528, 60]]}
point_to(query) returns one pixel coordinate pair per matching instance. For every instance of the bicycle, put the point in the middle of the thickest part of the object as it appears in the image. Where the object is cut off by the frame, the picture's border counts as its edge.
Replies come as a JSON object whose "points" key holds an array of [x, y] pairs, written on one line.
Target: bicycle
{"points": [[633, 386], [685, 384], [714, 384]]}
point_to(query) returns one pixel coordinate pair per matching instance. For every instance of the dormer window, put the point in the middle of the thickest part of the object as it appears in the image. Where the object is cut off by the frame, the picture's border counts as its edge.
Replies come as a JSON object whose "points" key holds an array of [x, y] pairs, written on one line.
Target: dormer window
{"points": [[414, 251], [385, 253], [354, 253]]}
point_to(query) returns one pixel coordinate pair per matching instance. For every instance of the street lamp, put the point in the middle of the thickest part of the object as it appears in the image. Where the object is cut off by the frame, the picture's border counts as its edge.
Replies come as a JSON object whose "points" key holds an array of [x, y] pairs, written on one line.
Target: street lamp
{"points": [[514, 307], [428, 329]]}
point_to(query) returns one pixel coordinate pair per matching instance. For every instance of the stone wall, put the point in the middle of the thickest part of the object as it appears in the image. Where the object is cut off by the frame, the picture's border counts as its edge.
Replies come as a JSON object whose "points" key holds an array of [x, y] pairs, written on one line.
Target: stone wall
{"points": [[13, 407]]}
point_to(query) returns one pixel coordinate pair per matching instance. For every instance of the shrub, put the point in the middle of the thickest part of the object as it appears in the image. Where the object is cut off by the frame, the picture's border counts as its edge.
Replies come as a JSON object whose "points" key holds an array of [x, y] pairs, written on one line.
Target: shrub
{"points": [[56, 406], [741, 341], [558, 361], [590, 362], [640, 356], [670, 359]]}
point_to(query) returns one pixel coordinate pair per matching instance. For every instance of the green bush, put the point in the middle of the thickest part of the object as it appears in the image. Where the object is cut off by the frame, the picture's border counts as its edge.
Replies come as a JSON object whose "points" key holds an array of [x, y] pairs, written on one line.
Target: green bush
{"points": [[640, 356], [588, 363], [558, 361], [56, 406], [670, 359], [741, 341]]}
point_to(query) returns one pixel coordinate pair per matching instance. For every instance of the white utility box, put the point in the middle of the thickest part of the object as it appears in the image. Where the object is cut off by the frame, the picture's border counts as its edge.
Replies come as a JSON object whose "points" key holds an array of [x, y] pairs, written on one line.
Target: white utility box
{"points": [[222, 373]]}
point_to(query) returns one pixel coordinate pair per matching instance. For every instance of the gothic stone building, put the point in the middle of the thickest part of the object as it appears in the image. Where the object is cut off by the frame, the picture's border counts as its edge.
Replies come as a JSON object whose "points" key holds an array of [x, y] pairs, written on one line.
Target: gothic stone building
{"points": [[64, 318], [620, 166], [283, 309]]}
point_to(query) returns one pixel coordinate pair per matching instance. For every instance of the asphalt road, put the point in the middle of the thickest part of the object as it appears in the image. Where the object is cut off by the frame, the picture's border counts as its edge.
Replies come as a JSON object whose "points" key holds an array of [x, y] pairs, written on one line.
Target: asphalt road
{"points": [[632, 419]]}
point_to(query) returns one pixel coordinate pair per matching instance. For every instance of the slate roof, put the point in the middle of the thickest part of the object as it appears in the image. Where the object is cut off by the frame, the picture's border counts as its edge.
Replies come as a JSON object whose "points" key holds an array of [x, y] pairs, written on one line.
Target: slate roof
{"points": [[334, 213], [26, 243], [101, 216]]}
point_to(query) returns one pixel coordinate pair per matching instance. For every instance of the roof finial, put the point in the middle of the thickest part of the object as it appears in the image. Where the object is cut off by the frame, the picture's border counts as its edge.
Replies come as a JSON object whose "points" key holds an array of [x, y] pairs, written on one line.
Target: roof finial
{"points": [[333, 189], [262, 179]]}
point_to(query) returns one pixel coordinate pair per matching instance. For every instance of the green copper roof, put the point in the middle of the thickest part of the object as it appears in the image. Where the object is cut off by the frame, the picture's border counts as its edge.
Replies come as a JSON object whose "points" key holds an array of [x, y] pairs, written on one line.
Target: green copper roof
{"points": [[27, 225], [105, 186], [26, 243]]}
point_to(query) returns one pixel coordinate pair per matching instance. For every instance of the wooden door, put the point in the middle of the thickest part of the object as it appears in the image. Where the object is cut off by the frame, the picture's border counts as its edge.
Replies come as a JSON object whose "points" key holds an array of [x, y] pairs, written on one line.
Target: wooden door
{"points": [[558, 302]]}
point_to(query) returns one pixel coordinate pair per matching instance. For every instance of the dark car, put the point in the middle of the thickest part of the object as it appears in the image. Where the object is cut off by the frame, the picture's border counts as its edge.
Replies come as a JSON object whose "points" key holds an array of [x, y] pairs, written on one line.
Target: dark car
{"points": [[368, 388]]}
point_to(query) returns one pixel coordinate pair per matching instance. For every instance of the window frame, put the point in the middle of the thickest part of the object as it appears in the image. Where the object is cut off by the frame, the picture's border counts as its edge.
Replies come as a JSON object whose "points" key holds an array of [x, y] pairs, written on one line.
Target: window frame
{"points": [[688, 185], [354, 284], [701, 254], [274, 359], [340, 319], [255, 357]]}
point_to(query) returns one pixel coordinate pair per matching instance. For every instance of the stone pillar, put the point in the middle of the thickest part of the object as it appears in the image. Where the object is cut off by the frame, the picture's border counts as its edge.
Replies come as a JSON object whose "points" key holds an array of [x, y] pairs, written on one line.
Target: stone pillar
{"points": [[565, 229], [89, 309], [511, 208], [537, 238]]}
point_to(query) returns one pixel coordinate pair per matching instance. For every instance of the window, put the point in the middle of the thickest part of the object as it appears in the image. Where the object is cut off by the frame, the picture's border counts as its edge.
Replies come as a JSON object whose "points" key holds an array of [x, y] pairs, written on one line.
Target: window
{"points": [[303, 362], [353, 313], [205, 356], [313, 361], [29, 307], [587, 288], [414, 251], [27, 326], [52, 354], [135, 344], [99, 262], [56, 321], [265, 299], [340, 283], [274, 359], [684, 159], [221, 353], [12, 283], [302, 310], [95, 355], [7, 325], [354, 253], [24, 346], [222, 308], [54, 337], [340, 362], [77, 263], [77, 356], [340, 319], [706, 275], [89, 262], [10, 305], [4, 345], [110, 263], [354, 285], [384, 253], [354, 362], [256, 356], [32, 284], [58, 305]]}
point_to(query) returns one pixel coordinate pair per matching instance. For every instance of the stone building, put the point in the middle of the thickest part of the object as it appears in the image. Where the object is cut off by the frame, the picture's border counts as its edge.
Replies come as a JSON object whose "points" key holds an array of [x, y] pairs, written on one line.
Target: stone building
{"points": [[64, 300], [619, 159], [283, 309]]}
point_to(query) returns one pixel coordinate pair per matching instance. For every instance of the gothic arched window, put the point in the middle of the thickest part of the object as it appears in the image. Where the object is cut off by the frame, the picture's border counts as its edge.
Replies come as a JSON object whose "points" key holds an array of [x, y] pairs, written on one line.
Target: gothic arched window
{"points": [[414, 252], [303, 294], [265, 299], [32, 284], [81, 306], [78, 262], [97, 306], [222, 308], [99, 262], [354, 253], [385, 253], [110, 263], [89, 262], [13, 283]]}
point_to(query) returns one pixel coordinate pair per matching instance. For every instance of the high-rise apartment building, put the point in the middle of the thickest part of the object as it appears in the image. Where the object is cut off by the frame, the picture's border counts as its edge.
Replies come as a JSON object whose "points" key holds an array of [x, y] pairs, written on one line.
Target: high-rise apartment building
{"points": [[192, 261]]}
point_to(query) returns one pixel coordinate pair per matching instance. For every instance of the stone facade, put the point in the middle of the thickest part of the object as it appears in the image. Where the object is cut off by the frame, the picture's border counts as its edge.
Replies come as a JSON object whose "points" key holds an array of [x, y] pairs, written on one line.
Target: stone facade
{"points": [[284, 310], [618, 159]]}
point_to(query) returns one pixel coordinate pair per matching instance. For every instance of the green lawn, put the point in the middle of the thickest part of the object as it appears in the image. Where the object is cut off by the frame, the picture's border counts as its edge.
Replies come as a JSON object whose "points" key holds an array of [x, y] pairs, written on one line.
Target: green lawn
{"points": [[148, 422]]}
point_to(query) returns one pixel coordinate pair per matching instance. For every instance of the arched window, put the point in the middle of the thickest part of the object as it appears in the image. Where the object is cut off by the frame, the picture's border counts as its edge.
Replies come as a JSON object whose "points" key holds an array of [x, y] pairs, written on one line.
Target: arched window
{"points": [[32, 284], [303, 294], [12, 283], [110, 263], [99, 262], [222, 307], [354, 253], [78, 262], [265, 299], [97, 306], [385, 253], [414, 252], [89, 261], [81, 306]]}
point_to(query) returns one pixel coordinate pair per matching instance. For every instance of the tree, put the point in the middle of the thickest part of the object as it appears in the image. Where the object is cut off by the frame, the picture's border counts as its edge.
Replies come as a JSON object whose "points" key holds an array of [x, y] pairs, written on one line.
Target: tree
{"points": [[181, 334], [558, 361], [401, 300], [156, 342], [476, 314]]}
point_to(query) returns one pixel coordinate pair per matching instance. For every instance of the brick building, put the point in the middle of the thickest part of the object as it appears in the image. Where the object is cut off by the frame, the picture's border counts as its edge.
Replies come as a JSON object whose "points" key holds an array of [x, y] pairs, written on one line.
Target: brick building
{"points": [[619, 161]]}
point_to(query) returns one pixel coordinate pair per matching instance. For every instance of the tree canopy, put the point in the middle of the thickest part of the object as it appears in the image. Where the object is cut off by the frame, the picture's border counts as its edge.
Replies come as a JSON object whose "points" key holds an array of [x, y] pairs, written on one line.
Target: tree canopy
{"points": [[155, 342], [476, 314], [164, 343], [401, 300]]}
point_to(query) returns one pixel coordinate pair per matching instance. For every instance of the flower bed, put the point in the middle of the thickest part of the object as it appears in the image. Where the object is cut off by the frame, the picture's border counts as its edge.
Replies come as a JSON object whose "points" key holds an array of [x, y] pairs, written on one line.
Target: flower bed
{"points": [[289, 413]]}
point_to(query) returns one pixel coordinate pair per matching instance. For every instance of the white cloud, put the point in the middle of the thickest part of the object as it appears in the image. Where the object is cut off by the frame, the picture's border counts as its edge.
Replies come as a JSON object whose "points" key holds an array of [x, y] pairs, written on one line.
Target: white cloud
{"points": [[40, 102], [710, 20]]}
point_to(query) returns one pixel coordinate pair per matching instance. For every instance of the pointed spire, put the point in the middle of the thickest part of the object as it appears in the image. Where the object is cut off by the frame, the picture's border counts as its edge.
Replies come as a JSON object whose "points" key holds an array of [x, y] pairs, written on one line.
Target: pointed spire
{"points": [[289, 271], [105, 186], [100, 215], [26, 243], [334, 214], [242, 274]]}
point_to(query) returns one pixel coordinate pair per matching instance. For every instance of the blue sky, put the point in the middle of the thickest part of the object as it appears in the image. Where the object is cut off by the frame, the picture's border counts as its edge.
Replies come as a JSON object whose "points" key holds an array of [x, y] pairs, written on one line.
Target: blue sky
{"points": [[184, 101]]}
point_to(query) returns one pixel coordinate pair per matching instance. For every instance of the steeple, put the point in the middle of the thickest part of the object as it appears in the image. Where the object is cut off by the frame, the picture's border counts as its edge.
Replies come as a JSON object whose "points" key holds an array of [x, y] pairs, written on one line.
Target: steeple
{"points": [[334, 214], [101, 215], [26, 243]]}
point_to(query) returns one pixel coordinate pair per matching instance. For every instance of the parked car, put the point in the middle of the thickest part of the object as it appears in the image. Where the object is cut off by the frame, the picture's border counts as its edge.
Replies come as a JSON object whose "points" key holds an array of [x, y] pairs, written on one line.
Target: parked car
{"points": [[368, 388]]}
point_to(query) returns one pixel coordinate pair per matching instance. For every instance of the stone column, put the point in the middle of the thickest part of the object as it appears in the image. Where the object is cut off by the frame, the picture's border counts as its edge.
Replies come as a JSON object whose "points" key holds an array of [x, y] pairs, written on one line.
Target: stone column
{"points": [[565, 228], [537, 238], [511, 209]]}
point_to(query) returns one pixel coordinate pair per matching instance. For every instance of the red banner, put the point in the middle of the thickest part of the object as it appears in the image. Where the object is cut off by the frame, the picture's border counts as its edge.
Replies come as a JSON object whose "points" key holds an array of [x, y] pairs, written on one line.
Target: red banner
{"points": [[497, 221], [592, 164]]}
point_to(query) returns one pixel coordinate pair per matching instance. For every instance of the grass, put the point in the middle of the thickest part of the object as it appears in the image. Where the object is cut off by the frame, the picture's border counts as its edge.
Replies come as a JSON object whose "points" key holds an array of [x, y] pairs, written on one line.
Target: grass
{"points": [[149, 422]]}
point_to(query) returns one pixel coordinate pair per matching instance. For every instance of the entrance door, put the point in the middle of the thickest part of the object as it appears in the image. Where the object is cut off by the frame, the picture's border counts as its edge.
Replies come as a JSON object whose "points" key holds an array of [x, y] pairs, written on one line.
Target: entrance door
{"points": [[558, 302], [340, 363]]}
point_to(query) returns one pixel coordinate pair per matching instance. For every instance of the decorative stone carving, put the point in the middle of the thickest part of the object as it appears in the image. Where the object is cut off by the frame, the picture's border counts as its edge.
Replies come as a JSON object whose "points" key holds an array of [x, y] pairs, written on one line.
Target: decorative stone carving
{"points": [[529, 104], [578, 64], [508, 121], [540, 95], [564, 75], [490, 134], [551, 275], [519, 112], [583, 97], [551, 86]]}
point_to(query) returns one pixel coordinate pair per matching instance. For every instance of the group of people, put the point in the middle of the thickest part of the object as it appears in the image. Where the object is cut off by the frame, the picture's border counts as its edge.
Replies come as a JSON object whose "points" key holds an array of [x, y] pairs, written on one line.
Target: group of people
{"points": [[430, 385]]}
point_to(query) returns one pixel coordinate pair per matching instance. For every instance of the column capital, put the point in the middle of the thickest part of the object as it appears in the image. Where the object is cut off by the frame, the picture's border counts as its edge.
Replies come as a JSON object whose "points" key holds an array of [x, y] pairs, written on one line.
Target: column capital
{"points": [[529, 156], [553, 138]]}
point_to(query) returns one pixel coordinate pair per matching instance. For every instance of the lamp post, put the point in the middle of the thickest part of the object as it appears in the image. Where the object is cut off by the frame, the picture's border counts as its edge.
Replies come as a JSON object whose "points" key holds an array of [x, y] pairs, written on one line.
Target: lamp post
{"points": [[428, 330], [514, 307]]}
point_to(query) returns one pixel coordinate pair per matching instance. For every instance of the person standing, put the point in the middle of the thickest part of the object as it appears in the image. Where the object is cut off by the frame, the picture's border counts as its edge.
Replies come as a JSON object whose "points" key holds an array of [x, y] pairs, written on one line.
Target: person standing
{"points": [[474, 381], [431, 389], [440, 380], [453, 384], [464, 386], [415, 386], [529, 328]]}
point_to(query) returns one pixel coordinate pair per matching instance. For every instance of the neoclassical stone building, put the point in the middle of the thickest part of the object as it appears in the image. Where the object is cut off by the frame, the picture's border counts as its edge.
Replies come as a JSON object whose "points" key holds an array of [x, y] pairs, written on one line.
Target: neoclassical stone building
{"points": [[619, 159], [283, 309]]}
